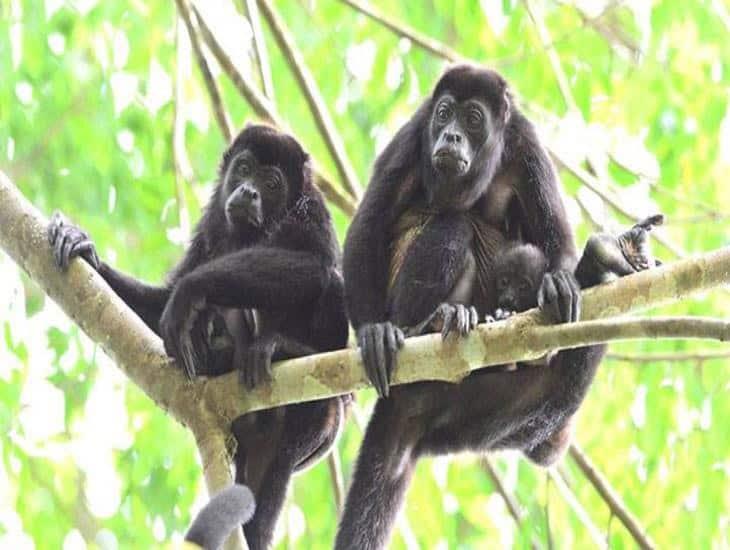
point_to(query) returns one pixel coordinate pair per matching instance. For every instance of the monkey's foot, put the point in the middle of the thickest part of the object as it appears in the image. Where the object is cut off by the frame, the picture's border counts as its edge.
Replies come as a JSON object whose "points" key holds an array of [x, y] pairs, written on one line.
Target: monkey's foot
{"points": [[68, 242], [379, 344], [559, 296], [254, 362]]}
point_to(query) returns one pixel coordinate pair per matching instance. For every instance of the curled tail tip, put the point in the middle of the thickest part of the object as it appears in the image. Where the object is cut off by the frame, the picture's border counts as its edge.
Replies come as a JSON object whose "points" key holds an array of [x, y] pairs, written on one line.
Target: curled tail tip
{"points": [[651, 222]]}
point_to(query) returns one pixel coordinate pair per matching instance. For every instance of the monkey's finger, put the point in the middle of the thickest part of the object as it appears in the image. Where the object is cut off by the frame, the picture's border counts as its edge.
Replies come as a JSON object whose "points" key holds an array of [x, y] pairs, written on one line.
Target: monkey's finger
{"points": [[577, 298], [462, 318], [547, 296], [473, 317], [391, 351], [380, 358], [489, 319], [400, 338], [448, 313], [86, 250], [54, 226]]}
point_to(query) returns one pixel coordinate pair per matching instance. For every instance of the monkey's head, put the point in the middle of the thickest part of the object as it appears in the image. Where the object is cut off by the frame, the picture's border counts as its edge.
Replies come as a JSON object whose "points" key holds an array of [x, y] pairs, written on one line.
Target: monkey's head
{"points": [[464, 136], [263, 173], [518, 273]]}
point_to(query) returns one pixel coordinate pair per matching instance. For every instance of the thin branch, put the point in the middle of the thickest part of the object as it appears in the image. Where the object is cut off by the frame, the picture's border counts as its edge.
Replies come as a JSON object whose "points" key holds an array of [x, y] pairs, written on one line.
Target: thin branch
{"points": [[210, 84], [698, 357], [338, 485], [419, 39], [618, 508], [183, 169], [577, 508], [512, 505], [316, 102], [265, 109], [259, 44], [538, 19]]}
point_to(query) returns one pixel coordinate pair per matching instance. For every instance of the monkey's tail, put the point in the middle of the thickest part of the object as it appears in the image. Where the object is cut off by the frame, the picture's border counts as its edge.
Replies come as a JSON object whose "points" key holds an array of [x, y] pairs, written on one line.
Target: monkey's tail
{"points": [[228, 509]]}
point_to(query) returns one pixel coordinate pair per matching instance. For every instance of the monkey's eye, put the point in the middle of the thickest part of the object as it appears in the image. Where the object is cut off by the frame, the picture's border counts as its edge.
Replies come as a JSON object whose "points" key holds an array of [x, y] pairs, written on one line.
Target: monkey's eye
{"points": [[244, 167], [502, 282], [475, 118], [273, 181], [443, 113]]}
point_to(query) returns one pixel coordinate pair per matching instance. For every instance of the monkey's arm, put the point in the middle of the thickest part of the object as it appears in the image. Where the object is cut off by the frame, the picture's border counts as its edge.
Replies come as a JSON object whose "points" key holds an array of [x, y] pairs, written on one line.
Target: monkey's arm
{"points": [[68, 242], [260, 277]]}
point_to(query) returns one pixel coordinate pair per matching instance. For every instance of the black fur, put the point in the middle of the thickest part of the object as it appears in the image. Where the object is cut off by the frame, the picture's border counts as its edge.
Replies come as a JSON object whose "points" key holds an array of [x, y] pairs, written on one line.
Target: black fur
{"points": [[413, 252], [260, 273]]}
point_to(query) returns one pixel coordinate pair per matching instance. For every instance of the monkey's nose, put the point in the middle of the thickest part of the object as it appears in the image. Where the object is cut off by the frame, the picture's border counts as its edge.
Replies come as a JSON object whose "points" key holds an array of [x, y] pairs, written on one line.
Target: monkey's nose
{"points": [[251, 194]]}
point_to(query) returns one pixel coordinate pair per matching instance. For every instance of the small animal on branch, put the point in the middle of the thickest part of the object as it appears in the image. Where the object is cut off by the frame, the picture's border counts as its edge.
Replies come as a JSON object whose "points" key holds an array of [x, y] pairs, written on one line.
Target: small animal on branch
{"points": [[227, 510], [463, 177], [258, 283], [519, 268]]}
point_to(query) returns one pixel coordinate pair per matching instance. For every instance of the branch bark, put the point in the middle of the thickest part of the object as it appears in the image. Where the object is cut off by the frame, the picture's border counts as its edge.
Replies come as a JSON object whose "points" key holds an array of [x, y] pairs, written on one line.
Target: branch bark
{"points": [[106, 319]]}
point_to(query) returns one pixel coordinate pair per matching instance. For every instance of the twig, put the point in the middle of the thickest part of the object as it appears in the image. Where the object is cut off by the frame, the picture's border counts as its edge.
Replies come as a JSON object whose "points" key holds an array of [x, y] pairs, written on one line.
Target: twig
{"points": [[183, 169], [618, 508], [512, 505], [338, 485], [213, 92], [317, 105], [577, 508], [699, 357], [265, 110], [428, 44], [538, 19], [259, 44]]}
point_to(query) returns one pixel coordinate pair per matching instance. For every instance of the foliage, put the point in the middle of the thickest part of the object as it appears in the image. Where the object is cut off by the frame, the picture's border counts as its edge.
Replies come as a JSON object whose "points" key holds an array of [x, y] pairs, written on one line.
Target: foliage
{"points": [[88, 107]]}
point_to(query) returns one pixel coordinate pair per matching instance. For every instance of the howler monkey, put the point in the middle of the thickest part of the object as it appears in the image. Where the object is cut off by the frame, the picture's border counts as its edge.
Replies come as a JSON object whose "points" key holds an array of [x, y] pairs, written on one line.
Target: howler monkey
{"points": [[464, 175], [260, 271]]}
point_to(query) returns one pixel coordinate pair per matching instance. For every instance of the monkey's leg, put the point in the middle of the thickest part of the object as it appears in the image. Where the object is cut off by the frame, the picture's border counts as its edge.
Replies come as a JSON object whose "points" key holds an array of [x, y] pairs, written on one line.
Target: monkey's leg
{"points": [[384, 469], [435, 264]]}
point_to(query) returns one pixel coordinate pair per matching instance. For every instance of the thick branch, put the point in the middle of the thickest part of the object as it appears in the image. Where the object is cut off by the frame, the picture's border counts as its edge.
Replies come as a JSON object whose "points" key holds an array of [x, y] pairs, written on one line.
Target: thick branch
{"points": [[87, 299]]}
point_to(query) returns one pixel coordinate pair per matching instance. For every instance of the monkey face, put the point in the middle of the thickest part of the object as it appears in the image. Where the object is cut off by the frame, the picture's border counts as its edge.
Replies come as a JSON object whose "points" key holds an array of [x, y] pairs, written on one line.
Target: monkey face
{"points": [[256, 193], [458, 130]]}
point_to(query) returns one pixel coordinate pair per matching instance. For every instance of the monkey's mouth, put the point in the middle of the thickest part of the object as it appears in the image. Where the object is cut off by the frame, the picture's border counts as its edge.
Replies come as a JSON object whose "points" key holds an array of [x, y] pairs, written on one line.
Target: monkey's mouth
{"points": [[449, 161], [240, 215]]}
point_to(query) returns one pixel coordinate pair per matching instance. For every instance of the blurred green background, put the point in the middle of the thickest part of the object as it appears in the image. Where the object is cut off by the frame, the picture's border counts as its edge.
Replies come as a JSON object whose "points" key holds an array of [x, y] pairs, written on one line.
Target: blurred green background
{"points": [[637, 94]]}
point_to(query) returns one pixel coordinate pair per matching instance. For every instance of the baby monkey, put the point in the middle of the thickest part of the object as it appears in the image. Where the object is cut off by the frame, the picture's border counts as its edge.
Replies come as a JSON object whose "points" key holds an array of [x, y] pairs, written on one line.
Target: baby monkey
{"points": [[519, 271]]}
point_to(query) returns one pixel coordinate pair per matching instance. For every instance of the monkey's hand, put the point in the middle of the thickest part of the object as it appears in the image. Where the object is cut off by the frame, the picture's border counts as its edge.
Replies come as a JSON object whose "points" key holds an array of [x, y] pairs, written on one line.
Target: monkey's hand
{"points": [[184, 338], [254, 361], [379, 344], [447, 319], [68, 242], [559, 296]]}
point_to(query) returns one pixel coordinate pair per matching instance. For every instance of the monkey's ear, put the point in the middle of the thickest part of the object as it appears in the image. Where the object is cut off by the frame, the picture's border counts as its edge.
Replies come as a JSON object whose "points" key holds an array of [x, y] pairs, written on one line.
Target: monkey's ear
{"points": [[507, 100]]}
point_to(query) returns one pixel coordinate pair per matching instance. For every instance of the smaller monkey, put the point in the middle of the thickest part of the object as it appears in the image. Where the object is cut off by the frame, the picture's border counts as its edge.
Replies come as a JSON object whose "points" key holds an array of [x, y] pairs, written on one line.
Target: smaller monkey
{"points": [[518, 274], [217, 520]]}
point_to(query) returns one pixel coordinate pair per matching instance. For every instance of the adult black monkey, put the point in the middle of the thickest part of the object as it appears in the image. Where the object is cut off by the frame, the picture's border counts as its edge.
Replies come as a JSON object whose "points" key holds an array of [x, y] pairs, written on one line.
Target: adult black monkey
{"points": [[463, 173], [265, 242], [529, 409]]}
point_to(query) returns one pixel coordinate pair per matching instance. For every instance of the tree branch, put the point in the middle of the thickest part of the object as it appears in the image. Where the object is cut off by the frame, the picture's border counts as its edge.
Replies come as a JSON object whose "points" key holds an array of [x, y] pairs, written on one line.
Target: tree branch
{"points": [[264, 108], [618, 508], [259, 44], [316, 102], [107, 320]]}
